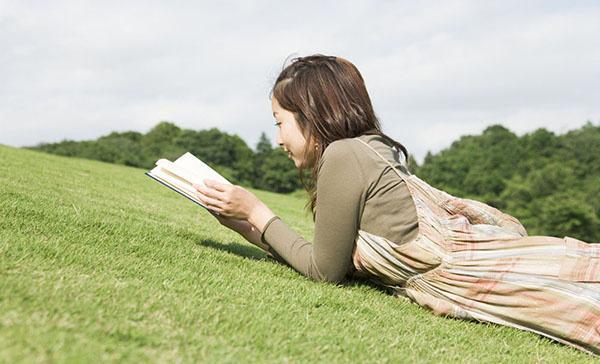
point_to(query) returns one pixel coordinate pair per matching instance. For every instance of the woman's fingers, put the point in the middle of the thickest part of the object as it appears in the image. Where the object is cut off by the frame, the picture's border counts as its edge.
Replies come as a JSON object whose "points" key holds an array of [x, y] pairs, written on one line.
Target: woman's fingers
{"points": [[210, 192], [213, 204], [215, 185], [229, 200], [209, 197]]}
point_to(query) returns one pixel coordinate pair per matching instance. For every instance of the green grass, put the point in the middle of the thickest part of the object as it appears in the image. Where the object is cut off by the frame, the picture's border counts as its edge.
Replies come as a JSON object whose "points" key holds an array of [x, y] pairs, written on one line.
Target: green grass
{"points": [[100, 263]]}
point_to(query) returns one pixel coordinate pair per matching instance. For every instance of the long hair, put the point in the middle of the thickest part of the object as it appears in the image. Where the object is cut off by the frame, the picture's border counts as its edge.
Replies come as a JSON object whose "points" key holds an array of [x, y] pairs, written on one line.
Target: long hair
{"points": [[329, 100]]}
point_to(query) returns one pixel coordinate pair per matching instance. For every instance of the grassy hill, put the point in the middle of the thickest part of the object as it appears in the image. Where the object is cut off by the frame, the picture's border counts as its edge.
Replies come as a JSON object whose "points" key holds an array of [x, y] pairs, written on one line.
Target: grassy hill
{"points": [[100, 263]]}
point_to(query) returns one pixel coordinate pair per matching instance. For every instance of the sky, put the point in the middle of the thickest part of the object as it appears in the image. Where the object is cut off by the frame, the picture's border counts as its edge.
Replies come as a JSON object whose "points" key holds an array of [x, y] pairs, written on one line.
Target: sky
{"points": [[435, 70]]}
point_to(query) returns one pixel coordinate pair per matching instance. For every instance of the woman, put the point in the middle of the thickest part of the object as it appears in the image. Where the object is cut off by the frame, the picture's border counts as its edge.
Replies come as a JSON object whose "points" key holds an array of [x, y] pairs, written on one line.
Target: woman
{"points": [[373, 219]]}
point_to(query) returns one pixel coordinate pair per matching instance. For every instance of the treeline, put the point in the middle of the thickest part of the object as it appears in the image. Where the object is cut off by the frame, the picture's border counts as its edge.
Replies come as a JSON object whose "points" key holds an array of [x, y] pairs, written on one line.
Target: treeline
{"points": [[550, 182], [266, 168]]}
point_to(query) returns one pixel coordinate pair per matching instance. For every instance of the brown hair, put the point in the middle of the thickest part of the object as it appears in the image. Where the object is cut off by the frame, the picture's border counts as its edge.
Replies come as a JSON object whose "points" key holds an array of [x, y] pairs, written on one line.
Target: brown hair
{"points": [[329, 100]]}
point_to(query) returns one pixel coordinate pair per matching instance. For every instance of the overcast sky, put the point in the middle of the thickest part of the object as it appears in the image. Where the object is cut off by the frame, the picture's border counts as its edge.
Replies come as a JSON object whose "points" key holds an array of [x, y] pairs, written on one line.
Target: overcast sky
{"points": [[435, 70]]}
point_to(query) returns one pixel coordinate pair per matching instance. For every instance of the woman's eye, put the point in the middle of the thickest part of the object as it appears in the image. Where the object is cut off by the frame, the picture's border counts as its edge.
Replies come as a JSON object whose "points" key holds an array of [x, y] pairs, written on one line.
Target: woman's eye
{"points": [[277, 123]]}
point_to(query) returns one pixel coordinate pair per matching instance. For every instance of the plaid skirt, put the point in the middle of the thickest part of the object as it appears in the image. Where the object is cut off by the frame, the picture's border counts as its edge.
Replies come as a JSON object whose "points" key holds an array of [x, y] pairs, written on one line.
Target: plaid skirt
{"points": [[470, 260]]}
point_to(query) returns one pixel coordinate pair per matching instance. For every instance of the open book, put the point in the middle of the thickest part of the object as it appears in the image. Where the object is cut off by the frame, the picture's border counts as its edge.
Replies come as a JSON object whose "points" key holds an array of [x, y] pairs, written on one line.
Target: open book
{"points": [[183, 173]]}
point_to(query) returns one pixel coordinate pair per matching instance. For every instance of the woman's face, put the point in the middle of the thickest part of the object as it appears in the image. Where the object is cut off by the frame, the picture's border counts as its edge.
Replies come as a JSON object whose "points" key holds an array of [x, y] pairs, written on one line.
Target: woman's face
{"points": [[289, 136]]}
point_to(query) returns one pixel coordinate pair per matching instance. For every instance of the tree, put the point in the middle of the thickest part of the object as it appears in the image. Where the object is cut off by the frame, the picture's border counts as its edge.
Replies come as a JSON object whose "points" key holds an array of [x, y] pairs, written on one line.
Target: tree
{"points": [[263, 153], [278, 173], [159, 143], [264, 146], [123, 148], [567, 214], [217, 148], [273, 169], [412, 164]]}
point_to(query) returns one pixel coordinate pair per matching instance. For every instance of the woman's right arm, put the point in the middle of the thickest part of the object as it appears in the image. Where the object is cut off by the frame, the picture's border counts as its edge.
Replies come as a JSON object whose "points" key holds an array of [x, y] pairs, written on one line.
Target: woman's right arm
{"points": [[245, 229], [250, 233]]}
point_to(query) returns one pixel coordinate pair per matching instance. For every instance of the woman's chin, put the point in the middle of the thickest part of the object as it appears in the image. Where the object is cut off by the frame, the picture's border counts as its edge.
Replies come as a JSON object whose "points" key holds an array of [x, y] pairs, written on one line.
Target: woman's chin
{"points": [[297, 163]]}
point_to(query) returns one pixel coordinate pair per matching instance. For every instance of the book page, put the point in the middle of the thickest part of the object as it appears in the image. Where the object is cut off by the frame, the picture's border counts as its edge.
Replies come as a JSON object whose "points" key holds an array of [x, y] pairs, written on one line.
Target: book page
{"points": [[175, 182], [198, 170], [183, 173]]}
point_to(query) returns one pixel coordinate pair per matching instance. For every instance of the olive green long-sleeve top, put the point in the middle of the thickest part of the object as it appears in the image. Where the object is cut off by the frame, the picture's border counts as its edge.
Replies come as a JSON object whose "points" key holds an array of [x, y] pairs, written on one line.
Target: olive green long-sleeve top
{"points": [[356, 189]]}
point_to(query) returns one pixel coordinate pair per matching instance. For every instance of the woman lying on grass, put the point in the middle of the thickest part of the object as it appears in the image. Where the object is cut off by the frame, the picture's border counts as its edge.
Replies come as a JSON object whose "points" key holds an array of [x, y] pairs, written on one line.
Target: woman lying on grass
{"points": [[374, 219]]}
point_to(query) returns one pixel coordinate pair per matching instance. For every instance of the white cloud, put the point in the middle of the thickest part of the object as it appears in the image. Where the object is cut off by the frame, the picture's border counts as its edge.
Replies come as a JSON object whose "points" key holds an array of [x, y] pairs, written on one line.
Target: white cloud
{"points": [[435, 70]]}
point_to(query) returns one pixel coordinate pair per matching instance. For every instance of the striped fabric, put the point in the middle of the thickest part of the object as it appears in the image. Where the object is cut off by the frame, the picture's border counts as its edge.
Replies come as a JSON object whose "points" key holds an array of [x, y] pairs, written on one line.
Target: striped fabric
{"points": [[472, 261]]}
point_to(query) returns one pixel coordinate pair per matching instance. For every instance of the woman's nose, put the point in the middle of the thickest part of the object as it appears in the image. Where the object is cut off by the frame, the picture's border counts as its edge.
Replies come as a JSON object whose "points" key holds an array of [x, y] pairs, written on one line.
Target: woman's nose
{"points": [[278, 139]]}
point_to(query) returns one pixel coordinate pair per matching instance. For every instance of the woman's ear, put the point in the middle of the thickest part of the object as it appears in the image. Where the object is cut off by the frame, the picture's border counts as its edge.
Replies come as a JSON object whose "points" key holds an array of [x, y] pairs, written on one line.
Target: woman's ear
{"points": [[313, 144]]}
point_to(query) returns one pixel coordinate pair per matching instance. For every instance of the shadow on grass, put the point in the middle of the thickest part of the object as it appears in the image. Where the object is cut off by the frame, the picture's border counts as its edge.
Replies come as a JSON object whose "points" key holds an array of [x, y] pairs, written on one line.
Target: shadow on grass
{"points": [[235, 248], [257, 254], [357, 282]]}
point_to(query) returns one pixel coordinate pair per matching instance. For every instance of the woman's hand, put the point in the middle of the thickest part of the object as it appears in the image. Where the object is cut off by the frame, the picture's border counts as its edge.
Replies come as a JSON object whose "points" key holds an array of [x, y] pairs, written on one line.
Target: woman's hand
{"points": [[234, 202], [244, 228], [227, 200]]}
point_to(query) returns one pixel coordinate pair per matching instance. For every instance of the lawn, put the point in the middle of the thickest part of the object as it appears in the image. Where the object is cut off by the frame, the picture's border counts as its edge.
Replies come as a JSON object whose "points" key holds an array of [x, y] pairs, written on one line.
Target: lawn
{"points": [[100, 263]]}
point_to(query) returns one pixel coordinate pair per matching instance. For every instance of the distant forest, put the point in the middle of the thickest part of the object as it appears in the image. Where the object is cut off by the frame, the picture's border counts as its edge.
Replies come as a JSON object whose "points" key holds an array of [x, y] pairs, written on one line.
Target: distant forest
{"points": [[550, 182], [265, 168]]}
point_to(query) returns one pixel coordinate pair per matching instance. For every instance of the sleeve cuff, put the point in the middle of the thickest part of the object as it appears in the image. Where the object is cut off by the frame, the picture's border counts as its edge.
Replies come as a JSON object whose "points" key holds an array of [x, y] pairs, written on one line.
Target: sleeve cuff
{"points": [[262, 236]]}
